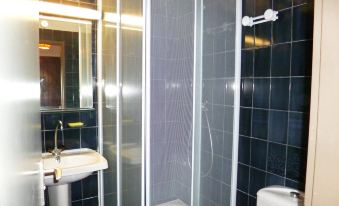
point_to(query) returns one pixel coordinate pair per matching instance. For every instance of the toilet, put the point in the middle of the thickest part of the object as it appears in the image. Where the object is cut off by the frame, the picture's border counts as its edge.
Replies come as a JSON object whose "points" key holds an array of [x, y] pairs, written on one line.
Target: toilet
{"points": [[279, 196]]}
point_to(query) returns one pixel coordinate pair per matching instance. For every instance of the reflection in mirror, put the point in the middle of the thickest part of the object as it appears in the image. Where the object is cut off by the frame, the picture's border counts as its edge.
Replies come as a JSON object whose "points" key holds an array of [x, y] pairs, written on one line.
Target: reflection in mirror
{"points": [[65, 47]]}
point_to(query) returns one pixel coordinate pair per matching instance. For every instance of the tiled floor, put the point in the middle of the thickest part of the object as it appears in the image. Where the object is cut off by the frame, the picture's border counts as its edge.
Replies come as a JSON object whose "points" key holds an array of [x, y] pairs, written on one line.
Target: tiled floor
{"points": [[173, 203]]}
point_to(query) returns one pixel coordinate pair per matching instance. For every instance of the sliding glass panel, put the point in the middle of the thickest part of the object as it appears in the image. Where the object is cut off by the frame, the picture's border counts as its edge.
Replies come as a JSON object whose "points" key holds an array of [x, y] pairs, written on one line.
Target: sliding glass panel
{"points": [[131, 102], [109, 114], [122, 101], [216, 105]]}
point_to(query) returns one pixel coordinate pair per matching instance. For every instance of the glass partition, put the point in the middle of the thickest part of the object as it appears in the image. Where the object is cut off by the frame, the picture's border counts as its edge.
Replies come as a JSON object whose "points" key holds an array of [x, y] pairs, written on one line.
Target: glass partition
{"points": [[122, 101], [216, 102]]}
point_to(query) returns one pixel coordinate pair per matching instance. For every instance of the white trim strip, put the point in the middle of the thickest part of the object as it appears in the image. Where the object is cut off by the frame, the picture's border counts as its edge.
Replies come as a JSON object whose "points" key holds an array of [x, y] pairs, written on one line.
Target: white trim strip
{"points": [[119, 107], [144, 109], [100, 100], [197, 99], [147, 70], [236, 117]]}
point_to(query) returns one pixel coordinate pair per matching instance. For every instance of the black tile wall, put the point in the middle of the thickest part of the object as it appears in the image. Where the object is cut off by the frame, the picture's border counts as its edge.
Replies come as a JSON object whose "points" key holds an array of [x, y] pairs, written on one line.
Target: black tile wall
{"points": [[275, 97], [84, 192]]}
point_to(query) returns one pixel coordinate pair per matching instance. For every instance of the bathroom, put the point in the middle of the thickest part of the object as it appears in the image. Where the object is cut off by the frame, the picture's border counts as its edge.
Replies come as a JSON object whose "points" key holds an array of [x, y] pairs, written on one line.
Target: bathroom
{"points": [[169, 102]]}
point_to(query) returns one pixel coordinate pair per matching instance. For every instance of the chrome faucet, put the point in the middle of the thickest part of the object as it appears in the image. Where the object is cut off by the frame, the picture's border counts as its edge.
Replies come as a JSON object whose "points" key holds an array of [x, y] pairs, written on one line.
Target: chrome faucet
{"points": [[57, 152]]}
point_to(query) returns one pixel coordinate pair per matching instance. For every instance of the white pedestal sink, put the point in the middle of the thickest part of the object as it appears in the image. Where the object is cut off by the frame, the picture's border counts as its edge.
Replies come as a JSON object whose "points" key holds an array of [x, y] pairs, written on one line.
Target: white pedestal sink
{"points": [[75, 165]]}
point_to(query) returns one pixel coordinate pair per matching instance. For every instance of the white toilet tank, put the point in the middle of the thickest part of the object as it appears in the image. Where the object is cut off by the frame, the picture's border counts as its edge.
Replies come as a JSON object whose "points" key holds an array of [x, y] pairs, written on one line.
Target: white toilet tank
{"points": [[279, 196]]}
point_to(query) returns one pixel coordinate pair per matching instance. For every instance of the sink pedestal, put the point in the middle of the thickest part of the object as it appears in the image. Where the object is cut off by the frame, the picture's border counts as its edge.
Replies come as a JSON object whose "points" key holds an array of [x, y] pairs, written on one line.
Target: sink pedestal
{"points": [[60, 195]]}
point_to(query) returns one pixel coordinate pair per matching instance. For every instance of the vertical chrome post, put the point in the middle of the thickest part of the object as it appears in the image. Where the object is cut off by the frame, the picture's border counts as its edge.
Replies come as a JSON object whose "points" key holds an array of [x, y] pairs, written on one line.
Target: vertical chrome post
{"points": [[119, 104], [236, 119], [100, 100], [146, 105], [197, 99], [147, 30]]}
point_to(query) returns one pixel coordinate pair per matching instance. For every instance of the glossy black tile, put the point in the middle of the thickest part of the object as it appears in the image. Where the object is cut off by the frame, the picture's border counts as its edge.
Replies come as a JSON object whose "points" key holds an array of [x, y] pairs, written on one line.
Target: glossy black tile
{"points": [[245, 121], [281, 55], [259, 123], [243, 177], [272, 179], [88, 138], [295, 184], [89, 118], [263, 34], [262, 61], [301, 58], [281, 4], [76, 191], [49, 140], [276, 159], [298, 129], [242, 199], [72, 138], [246, 92], [300, 94], [280, 93], [43, 141], [303, 22], [248, 7], [258, 154], [252, 201], [90, 202], [261, 6], [296, 164], [257, 181], [278, 122], [244, 150], [247, 63], [247, 37], [298, 2], [90, 186], [261, 93], [282, 27], [51, 120], [77, 203], [42, 123]]}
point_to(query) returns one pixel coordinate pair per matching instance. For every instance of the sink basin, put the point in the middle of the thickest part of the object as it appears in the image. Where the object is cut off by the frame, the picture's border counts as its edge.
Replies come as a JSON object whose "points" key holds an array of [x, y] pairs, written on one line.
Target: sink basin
{"points": [[75, 164]]}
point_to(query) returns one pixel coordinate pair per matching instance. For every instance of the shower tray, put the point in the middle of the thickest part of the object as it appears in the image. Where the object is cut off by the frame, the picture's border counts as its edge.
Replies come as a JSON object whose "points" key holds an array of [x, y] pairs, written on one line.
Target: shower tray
{"points": [[174, 203]]}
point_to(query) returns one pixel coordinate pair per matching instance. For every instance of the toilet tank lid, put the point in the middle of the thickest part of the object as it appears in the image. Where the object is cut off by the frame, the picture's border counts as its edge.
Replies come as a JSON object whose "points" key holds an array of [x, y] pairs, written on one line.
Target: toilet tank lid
{"points": [[280, 194]]}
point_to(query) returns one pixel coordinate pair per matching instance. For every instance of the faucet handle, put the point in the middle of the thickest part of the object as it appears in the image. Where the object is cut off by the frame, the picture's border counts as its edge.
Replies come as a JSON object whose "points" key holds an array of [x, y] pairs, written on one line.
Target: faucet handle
{"points": [[60, 149], [57, 173]]}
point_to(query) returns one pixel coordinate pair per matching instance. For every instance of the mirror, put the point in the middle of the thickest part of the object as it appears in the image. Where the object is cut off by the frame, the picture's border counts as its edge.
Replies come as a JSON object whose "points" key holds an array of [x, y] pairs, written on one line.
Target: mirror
{"points": [[65, 47]]}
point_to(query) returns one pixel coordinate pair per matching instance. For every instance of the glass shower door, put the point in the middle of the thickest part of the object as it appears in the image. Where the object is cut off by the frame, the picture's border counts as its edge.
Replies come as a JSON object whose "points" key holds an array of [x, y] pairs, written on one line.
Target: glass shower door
{"points": [[122, 101], [131, 102], [216, 102]]}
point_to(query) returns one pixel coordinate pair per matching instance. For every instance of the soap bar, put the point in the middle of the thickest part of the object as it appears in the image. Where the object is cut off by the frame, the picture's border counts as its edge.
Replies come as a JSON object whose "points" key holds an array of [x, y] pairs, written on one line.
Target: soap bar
{"points": [[75, 124]]}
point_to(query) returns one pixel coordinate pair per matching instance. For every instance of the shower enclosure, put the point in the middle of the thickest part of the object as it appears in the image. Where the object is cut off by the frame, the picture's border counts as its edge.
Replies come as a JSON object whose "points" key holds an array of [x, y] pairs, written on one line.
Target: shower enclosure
{"points": [[169, 93]]}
